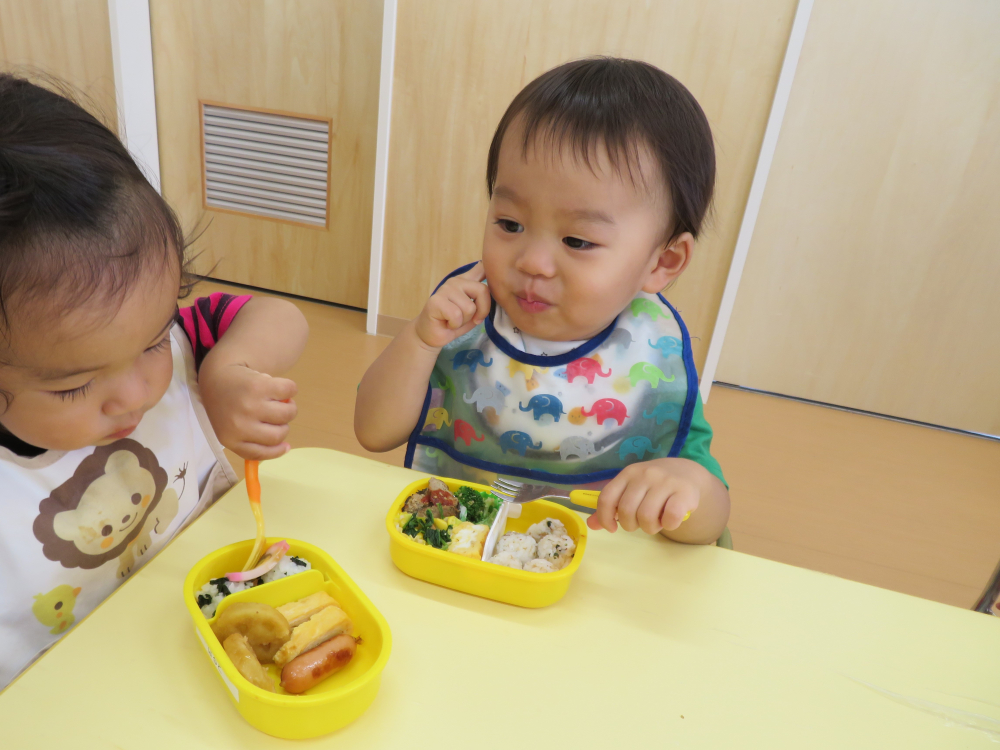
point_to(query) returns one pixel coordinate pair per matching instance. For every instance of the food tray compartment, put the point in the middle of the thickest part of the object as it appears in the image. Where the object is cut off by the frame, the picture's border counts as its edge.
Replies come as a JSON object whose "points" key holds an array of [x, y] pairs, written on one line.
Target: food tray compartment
{"points": [[524, 589], [334, 702]]}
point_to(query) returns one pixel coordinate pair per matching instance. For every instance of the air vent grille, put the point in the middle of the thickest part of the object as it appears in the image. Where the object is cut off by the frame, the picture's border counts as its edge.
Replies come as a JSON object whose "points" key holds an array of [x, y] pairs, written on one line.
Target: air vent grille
{"points": [[266, 164]]}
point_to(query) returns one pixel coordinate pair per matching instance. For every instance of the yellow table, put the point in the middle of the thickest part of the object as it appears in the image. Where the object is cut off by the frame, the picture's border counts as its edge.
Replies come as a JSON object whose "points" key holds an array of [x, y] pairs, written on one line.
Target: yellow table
{"points": [[656, 644]]}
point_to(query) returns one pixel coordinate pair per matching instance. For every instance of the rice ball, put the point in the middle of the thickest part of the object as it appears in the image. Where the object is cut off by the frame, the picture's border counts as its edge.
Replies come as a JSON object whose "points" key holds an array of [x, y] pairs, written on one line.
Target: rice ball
{"points": [[288, 565], [540, 566], [546, 527], [519, 545], [557, 549], [507, 559]]}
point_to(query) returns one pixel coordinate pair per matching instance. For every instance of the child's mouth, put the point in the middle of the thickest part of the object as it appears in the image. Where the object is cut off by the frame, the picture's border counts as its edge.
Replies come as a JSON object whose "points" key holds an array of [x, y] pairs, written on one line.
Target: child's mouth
{"points": [[122, 433], [531, 305]]}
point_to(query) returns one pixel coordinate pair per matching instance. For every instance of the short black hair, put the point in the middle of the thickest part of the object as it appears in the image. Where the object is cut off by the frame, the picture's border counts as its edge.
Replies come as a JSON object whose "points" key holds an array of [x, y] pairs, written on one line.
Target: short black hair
{"points": [[624, 105], [78, 217]]}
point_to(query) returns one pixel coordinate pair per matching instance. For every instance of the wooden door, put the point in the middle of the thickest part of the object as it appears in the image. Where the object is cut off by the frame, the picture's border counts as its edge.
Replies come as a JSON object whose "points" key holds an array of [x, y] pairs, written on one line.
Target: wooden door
{"points": [[872, 279], [459, 63], [313, 59], [66, 39]]}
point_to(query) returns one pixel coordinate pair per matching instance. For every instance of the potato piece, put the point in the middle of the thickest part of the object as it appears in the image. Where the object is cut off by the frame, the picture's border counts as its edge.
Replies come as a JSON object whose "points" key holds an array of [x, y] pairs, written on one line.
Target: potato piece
{"points": [[265, 628], [243, 658]]}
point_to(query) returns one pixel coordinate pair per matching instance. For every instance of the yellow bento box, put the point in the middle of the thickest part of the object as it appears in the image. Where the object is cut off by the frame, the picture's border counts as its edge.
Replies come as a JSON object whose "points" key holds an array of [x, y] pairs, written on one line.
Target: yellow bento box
{"points": [[333, 703], [502, 584]]}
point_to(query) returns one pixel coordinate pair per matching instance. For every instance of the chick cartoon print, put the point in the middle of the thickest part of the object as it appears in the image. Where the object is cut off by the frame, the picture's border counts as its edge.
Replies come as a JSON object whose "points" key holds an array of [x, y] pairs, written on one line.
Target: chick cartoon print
{"points": [[55, 609]]}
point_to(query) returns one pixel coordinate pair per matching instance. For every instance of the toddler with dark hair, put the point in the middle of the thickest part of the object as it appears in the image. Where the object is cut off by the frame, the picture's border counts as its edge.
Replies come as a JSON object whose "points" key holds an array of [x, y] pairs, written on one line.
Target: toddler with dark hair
{"points": [[567, 366], [114, 404]]}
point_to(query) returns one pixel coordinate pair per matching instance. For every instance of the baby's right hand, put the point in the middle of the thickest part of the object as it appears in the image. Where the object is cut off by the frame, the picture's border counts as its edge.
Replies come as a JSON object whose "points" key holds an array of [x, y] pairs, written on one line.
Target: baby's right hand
{"points": [[462, 303]]}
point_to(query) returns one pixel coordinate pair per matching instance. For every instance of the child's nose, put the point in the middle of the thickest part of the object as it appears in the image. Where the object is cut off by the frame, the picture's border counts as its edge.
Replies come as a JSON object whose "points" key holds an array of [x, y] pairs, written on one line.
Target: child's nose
{"points": [[129, 396], [536, 260]]}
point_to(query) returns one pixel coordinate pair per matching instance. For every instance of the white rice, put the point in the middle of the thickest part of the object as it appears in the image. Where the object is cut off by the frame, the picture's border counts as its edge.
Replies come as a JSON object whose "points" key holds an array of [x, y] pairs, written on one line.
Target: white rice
{"points": [[216, 590], [287, 566], [540, 566], [506, 559], [546, 527], [213, 592], [557, 549], [519, 545]]}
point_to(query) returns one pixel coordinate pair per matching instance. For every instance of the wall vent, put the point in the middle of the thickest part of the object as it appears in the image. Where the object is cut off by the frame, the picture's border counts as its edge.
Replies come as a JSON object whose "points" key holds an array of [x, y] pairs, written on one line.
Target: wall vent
{"points": [[265, 164]]}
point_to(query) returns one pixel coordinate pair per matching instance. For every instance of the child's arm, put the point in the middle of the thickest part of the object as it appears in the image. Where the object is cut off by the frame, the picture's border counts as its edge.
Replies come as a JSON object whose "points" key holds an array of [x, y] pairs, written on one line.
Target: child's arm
{"points": [[656, 495], [242, 397], [392, 392]]}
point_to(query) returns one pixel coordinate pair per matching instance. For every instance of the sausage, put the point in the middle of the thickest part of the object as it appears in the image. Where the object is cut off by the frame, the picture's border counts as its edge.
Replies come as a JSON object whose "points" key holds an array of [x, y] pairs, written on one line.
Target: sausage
{"points": [[315, 665]]}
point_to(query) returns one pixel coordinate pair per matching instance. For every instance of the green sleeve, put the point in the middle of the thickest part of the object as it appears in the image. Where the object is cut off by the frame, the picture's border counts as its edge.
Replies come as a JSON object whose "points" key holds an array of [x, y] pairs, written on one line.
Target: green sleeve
{"points": [[698, 446]]}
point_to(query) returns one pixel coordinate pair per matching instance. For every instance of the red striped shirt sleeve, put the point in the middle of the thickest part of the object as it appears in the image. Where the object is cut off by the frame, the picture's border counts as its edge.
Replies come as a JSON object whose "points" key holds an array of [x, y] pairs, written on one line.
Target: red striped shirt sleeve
{"points": [[208, 319]]}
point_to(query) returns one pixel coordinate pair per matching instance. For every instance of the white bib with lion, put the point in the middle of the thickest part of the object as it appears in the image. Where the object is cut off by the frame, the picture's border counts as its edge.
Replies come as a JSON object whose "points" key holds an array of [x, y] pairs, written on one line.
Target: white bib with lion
{"points": [[76, 524]]}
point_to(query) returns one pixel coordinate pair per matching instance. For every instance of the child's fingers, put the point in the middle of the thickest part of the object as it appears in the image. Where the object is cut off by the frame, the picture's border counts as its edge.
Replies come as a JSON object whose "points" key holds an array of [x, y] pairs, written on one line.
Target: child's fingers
{"points": [[465, 302], [264, 434], [650, 512], [255, 452], [681, 503], [480, 294], [278, 412], [476, 273], [280, 389], [449, 313], [607, 505], [629, 503]]}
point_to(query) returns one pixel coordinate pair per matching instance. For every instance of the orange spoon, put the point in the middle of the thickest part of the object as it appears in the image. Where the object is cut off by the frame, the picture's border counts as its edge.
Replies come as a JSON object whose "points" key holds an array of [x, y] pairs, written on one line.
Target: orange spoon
{"points": [[253, 492]]}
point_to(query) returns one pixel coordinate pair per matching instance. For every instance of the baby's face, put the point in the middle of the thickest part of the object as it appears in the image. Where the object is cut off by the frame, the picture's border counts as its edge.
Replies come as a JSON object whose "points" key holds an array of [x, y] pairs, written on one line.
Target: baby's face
{"points": [[88, 377], [568, 245]]}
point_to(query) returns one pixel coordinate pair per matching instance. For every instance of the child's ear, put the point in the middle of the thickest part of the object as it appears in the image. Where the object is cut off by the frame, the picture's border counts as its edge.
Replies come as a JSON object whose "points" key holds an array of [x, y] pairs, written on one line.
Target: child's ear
{"points": [[671, 260]]}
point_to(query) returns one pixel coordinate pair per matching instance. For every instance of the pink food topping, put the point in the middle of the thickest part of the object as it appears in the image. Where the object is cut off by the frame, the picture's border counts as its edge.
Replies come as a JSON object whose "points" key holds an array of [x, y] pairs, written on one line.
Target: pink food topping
{"points": [[271, 557]]}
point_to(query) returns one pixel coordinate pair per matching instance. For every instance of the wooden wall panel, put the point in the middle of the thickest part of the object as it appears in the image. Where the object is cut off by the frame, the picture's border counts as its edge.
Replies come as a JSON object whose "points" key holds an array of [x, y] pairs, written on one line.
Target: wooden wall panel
{"points": [[873, 274], [459, 64], [310, 57], [68, 39]]}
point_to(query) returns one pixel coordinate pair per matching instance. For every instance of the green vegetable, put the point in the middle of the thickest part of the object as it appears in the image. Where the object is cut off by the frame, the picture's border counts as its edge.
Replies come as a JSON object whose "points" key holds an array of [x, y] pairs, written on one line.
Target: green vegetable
{"points": [[480, 507], [434, 536]]}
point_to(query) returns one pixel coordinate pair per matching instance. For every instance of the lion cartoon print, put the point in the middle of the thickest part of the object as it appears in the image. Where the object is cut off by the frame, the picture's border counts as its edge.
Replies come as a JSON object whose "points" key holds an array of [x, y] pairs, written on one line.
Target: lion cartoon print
{"points": [[109, 509]]}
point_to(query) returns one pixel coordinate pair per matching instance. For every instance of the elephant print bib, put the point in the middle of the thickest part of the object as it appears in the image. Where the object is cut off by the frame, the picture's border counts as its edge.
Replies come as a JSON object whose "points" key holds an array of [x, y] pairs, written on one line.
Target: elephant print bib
{"points": [[76, 524], [626, 395]]}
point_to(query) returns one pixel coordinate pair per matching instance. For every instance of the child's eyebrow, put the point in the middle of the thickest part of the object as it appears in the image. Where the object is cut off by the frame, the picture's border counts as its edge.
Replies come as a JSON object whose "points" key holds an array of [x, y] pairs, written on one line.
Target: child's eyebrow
{"points": [[590, 214], [501, 191]]}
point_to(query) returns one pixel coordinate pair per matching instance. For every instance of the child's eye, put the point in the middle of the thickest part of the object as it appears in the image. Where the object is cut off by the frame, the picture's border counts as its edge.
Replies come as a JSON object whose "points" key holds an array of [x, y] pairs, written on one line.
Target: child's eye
{"points": [[73, 393], [509, 226], [162, 344], [576, 243]]}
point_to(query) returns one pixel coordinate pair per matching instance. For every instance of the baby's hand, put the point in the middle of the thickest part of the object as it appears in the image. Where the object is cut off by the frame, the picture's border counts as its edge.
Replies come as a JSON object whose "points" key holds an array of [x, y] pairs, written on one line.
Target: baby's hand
{"points": [[652, 495], [462, 303], [249, 410]]}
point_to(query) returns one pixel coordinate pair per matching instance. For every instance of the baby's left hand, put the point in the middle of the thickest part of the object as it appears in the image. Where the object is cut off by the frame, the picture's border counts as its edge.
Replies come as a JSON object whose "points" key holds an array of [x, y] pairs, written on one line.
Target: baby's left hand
{"points": [[246, 408], [652, 495]]}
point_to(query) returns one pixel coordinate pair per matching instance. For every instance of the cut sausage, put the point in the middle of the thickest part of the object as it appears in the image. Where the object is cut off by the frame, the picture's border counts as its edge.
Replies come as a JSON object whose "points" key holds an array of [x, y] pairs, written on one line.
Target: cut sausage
{"points": [[314, 666]]}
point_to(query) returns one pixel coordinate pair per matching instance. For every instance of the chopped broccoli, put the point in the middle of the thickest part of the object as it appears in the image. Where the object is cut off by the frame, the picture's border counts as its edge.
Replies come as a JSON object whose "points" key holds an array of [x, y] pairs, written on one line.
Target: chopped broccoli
{"points": [[480, 507]]}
